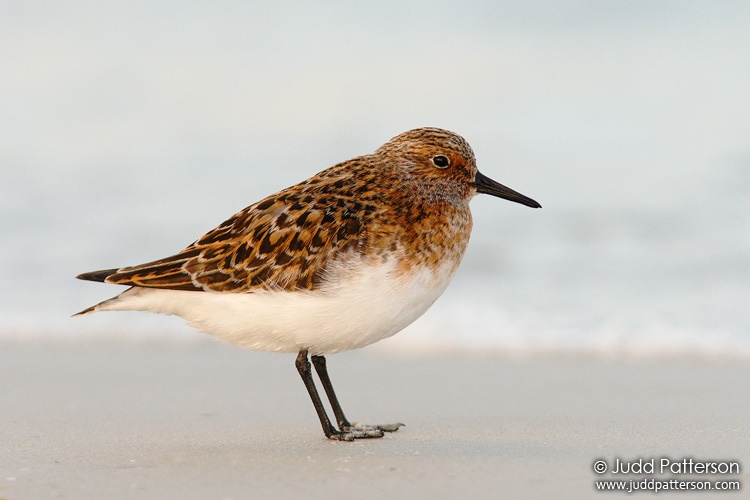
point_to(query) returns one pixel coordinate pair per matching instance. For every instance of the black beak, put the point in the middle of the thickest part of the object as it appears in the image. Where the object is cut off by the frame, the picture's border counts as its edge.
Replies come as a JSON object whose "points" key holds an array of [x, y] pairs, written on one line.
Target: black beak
{"points": [[484, 184]]}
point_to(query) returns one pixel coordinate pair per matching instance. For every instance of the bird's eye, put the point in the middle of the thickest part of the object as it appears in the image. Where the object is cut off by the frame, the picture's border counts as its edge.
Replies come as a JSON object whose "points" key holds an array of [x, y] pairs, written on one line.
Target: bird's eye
{"points": [[441, 161]]}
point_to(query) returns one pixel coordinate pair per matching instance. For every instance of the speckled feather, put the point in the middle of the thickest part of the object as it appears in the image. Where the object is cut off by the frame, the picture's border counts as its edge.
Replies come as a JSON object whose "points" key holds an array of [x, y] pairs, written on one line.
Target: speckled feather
{"points": [[393, 203]]}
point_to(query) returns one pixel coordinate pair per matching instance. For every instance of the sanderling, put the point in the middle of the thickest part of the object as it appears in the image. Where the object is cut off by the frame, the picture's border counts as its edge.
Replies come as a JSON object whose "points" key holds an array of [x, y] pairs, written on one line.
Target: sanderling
{"points": [[346, 258]]}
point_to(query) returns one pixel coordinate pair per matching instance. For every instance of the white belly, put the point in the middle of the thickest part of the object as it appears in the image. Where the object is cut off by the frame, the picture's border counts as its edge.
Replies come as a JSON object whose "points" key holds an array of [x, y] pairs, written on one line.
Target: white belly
{"points": [[371, 304]]}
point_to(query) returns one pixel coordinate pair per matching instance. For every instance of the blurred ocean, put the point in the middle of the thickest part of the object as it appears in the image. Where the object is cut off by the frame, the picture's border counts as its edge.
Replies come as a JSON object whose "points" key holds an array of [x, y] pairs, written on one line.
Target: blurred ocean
{"points": [[130, 130]]}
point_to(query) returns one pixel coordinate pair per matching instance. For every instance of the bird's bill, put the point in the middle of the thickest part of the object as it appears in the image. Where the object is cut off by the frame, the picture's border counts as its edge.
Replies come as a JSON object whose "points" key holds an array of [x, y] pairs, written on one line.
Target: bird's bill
{"points": [[484, 184]]}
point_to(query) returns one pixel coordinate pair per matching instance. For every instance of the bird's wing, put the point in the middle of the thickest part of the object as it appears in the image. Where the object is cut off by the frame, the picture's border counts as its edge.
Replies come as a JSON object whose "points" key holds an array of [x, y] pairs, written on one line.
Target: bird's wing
{"points": [[281, 242]]}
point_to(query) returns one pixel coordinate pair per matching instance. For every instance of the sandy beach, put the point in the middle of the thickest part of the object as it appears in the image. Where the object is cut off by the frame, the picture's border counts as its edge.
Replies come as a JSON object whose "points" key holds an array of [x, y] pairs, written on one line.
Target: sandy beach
{"points": [[156, 420]]}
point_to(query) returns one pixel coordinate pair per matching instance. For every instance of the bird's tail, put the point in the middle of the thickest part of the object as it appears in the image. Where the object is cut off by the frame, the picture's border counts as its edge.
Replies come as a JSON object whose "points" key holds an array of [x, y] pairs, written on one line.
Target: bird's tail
{"points": [[100, 276]]}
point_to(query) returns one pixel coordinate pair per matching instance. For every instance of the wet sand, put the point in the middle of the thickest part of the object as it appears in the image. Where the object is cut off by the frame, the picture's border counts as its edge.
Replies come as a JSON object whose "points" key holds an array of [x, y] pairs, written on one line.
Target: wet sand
{"points": [[159, 420]]}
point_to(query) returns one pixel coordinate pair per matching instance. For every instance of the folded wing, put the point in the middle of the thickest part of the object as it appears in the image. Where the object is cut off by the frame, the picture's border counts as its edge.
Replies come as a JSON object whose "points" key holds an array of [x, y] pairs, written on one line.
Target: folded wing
{"points": [[281, 242]]}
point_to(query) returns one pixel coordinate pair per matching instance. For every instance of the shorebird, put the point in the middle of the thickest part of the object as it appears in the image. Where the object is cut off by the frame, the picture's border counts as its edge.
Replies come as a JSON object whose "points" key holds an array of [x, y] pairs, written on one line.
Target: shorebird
{"points": [[344, 259]]}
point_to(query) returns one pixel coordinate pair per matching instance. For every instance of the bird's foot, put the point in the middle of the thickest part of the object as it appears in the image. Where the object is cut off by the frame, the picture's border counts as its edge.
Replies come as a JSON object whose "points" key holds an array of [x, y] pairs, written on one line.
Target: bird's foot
{"points": [[356, 430], [381, 427]]}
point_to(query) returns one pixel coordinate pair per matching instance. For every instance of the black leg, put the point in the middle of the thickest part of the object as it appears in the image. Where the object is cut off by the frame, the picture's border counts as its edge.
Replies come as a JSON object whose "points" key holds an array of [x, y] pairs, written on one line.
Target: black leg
{"points": [[346, 431], [319, 362], [303, 367]]}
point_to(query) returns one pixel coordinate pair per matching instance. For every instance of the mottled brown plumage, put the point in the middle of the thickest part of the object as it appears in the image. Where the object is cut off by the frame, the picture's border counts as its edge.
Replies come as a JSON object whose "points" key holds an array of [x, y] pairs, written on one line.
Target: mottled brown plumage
{"points": [[395, 200]]}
